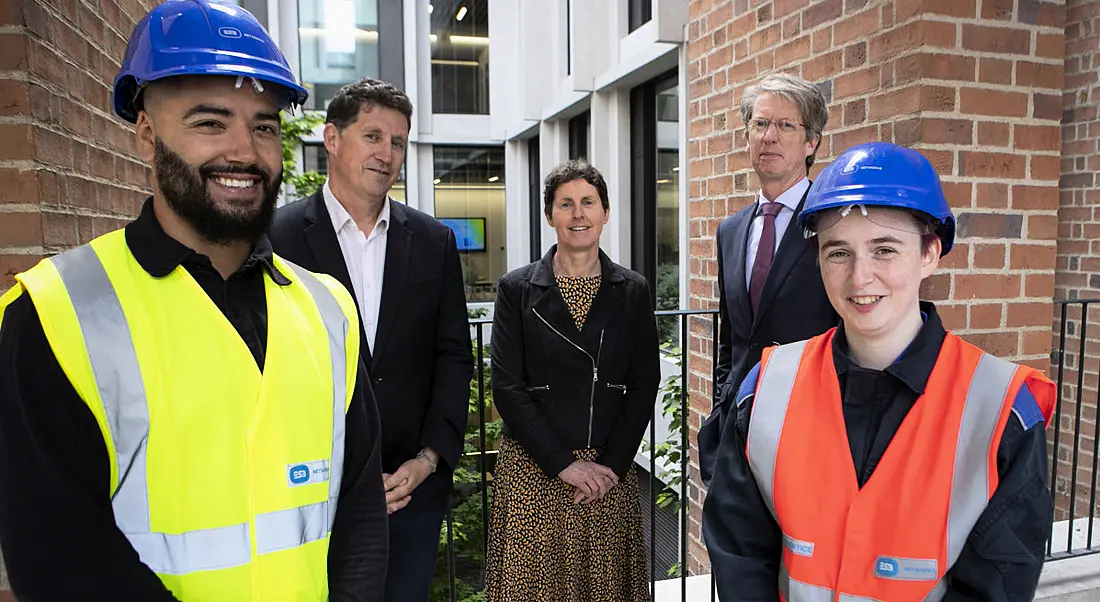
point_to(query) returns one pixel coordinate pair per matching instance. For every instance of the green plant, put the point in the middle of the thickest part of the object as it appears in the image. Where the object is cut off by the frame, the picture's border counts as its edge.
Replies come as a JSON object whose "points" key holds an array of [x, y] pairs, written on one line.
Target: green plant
{"points": [[293, 128], [668, 297], [671, 450]]}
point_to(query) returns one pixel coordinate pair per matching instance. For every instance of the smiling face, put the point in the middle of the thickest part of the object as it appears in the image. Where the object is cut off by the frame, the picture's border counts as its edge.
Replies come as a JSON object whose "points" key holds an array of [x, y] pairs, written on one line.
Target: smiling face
{"points": [[872, 268], [578, 216], [365, 157], [779, 158], [216, 154]]}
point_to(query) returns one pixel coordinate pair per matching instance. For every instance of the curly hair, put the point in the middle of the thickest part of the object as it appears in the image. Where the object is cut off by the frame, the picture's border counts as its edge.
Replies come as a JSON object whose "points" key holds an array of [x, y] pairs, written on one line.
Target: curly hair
{"points": [[575, 169]]}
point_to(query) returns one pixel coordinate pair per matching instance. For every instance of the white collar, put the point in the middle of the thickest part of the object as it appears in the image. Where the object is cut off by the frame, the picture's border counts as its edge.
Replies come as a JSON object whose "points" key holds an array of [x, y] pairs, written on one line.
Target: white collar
{"points": [[790, 198], [340, 216]]}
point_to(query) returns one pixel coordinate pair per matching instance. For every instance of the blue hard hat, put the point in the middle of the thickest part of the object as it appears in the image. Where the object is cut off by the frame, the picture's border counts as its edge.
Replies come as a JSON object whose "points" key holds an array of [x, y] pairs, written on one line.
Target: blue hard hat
{"points": [[884, 175], [199, 37]]}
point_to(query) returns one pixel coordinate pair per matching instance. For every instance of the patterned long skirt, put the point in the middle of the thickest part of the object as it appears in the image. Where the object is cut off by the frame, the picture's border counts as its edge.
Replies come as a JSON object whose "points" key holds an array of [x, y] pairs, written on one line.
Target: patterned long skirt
{"points": [[543, 547]]}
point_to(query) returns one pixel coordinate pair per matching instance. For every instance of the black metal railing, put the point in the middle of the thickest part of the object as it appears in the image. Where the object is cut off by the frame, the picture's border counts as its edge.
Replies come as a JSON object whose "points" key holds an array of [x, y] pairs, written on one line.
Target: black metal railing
{"points": [[464, 578], [1073, 323]]}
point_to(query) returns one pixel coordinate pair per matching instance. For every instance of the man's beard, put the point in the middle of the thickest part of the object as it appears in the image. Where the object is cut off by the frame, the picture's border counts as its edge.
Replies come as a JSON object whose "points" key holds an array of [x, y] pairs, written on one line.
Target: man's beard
{"points": [[185, 190]]}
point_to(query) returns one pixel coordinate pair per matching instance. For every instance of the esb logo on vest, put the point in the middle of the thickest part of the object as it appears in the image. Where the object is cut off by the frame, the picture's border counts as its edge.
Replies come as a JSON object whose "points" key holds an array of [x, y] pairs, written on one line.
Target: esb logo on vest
{"points": [[306, 474], [906, 569]]}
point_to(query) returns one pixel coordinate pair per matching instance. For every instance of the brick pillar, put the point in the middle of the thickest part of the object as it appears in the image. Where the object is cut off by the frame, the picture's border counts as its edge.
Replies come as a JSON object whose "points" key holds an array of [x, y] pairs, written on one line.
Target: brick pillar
{"points": [[1078, 273], [975, 86], [67, 168]]}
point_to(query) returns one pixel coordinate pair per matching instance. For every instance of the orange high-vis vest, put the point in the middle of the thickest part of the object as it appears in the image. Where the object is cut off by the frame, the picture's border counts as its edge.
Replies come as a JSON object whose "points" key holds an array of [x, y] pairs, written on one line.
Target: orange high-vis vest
{"points": [[896, 538]]}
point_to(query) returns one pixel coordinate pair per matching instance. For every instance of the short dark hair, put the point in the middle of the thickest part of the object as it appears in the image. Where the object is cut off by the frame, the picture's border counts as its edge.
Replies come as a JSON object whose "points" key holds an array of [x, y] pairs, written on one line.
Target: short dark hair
{"points": [[366, 93], [574, 169]]}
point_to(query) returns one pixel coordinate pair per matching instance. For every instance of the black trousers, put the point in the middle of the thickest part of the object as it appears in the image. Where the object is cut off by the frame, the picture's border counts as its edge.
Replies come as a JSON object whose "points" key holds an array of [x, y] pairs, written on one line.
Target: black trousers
{"points": [[414, 544]]}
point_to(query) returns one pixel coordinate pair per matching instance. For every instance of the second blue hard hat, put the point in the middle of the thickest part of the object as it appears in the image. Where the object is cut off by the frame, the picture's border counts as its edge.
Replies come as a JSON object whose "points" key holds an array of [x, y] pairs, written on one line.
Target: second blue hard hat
{"points": [[200, 37], [884, 175]]}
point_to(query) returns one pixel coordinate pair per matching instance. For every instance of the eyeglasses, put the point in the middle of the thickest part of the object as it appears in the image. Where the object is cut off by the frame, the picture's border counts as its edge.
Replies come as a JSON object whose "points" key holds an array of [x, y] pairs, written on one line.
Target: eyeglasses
{"points": [[894, 219], [758, 126]]}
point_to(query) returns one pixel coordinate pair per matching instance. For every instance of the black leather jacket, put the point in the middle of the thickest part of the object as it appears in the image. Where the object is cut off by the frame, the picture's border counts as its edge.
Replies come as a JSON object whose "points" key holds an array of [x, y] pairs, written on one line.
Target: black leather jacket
{"points": [[560, 389]]}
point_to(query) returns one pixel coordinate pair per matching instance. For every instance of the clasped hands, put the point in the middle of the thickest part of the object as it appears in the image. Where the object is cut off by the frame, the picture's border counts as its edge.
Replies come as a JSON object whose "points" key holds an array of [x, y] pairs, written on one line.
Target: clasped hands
{"points": [[400, 485], [590, 480]]}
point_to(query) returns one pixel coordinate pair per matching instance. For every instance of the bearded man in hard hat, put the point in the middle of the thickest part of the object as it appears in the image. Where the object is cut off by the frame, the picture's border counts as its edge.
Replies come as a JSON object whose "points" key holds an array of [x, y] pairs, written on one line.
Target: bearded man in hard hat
{"points": [[182, 413]]}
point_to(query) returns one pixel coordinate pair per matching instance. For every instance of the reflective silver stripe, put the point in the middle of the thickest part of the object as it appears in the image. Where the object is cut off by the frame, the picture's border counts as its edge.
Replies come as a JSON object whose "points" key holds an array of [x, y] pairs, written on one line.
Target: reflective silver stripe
{"points": [[969, 487], [337, 326], [291, 528], [117, 373], [938, 593], [970, 482], [769, 411], [203, 550], [797, 591]]}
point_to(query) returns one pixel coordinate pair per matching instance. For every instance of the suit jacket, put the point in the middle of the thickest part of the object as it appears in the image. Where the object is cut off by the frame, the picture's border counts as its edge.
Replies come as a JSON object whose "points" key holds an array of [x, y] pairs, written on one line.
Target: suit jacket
{"points": [[423, 359], [793, 307]]}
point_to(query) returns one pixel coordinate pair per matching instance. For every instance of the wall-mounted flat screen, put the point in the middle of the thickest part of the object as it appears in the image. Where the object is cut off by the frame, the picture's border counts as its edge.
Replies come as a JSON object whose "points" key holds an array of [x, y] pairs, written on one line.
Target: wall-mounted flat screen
{"points": [[469, 232]]}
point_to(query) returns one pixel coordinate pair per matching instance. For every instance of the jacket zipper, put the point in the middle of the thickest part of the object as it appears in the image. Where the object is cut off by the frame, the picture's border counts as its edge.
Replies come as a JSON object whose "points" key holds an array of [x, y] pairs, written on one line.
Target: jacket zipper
{"points": [[539, 388], [619, 387], [595, 370]]}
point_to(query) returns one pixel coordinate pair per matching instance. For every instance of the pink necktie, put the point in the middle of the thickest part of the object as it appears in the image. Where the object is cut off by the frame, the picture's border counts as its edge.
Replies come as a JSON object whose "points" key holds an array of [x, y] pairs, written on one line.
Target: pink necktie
{"points": [[764, 253]]}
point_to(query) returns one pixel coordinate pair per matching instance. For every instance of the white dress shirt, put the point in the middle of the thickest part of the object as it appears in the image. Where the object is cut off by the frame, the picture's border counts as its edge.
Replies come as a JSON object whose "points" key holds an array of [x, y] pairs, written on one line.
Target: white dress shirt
{"points": [[789, 199], [365, 257]]}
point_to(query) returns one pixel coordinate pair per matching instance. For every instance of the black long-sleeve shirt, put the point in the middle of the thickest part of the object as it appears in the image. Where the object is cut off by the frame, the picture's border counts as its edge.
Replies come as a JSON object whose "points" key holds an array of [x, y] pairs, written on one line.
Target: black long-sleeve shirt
{"points": [[1004, 553], [57, 528]]}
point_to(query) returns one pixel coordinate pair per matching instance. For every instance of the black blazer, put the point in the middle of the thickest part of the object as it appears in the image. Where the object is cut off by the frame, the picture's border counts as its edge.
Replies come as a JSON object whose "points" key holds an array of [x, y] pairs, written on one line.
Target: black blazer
{"points": [[558, 388], [793, 307], [423, 358]]}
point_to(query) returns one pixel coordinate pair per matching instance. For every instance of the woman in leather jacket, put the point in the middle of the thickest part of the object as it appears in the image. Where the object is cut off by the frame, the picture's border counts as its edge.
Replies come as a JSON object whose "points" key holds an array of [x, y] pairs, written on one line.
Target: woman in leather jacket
{"points": [[575, 371]]}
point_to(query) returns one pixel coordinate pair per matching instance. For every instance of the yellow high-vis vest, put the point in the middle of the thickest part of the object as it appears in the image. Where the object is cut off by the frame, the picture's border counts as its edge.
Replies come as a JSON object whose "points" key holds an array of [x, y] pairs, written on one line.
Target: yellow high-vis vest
{"points": [[224, 479]]}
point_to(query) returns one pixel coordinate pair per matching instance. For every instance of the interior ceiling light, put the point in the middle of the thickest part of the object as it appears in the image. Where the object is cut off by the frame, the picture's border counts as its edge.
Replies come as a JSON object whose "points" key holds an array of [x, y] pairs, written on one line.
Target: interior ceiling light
{"points": [[461, 13], [469, 40]]}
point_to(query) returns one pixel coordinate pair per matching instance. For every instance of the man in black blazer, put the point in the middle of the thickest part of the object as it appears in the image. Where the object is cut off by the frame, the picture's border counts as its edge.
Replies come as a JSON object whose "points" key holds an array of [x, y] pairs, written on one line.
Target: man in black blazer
{"points": [[403, 268], [770, 289]]}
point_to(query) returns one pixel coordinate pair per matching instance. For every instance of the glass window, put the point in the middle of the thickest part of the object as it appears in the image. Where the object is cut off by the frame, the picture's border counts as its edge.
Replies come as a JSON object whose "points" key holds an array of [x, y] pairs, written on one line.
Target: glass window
{"points": [[338, 44], [578, 136], [469, 197], [655, 194], [568, 37], [534, 191], [460, 56], [639, 12], [668, 196]]}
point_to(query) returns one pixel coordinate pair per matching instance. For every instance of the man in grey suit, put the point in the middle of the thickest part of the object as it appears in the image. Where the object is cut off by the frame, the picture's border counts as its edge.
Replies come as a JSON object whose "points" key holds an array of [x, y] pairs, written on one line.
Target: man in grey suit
{"points": [[770, 289]]}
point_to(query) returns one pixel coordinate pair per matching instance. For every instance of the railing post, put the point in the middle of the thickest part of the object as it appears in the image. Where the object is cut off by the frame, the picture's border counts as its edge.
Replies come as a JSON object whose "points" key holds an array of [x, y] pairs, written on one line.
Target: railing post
{"points": [[481, 423], [1077, 423]]}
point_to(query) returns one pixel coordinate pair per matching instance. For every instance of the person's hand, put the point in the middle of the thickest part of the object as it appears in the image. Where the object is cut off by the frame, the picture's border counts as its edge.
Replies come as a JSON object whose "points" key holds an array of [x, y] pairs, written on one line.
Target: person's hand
{"points": [[400, 485], [591, 480]]}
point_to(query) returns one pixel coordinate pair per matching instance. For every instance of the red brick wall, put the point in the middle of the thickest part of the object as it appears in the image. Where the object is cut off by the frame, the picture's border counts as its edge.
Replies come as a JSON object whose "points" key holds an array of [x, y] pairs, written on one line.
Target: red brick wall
{"points": [[975, 86], [67, 170], [1078, 272]]}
